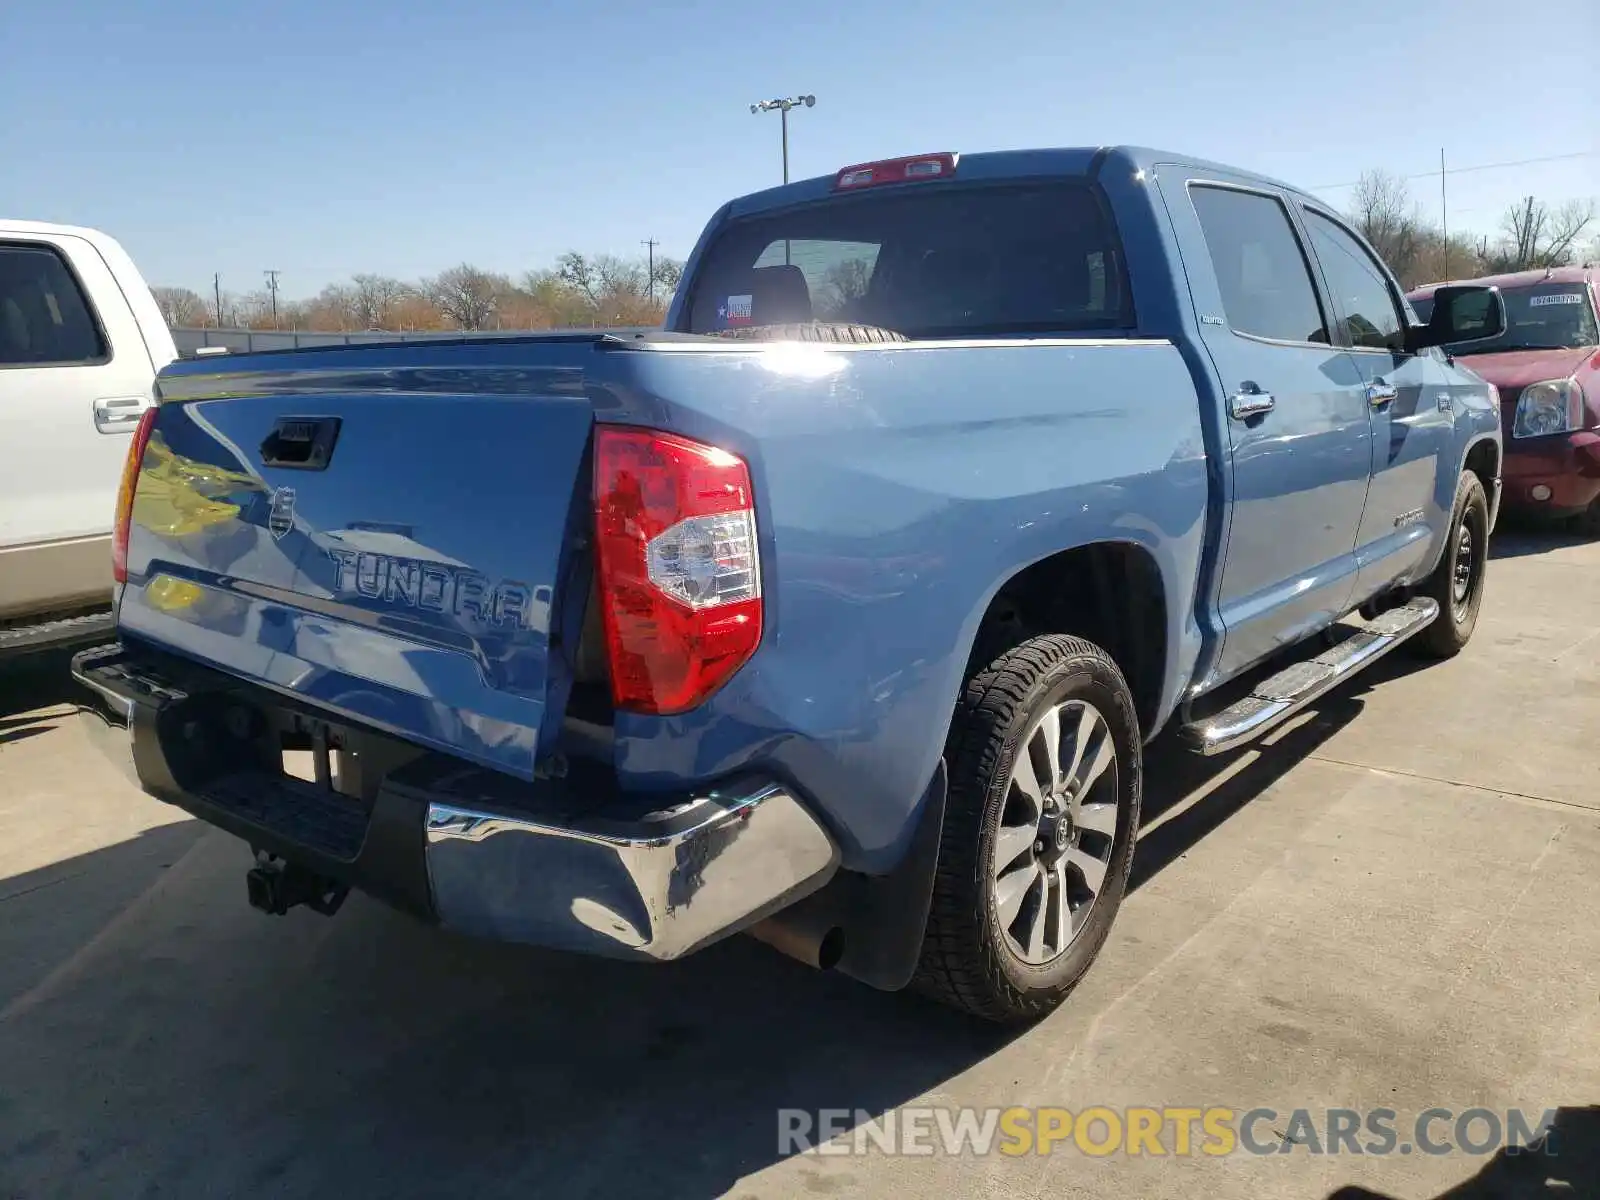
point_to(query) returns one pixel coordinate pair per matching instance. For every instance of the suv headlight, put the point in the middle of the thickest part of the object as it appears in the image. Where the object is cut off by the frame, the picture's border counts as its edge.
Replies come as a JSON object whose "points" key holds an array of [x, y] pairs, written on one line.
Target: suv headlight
{"points": [[1554, 406]]}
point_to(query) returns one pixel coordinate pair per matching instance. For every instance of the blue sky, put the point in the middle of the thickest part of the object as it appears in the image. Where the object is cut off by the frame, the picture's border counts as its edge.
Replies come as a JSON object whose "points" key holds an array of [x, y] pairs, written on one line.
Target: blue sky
{"points": [[327, 137]]}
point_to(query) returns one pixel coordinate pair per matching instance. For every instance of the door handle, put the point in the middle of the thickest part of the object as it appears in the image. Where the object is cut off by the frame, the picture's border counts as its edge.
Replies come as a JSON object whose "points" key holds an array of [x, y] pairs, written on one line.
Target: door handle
{"points": [[1380, 393], [117, 414], [1250, 401]]}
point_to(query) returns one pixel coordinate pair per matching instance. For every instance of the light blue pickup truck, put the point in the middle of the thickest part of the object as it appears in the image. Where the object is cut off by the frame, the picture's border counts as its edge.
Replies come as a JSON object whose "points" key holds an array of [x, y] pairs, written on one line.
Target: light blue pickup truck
{"points": [[839, 611]]}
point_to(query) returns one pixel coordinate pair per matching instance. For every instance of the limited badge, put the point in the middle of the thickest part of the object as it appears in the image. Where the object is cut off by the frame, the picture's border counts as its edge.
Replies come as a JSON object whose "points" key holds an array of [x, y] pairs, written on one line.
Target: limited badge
{"points": [[280, 517]]}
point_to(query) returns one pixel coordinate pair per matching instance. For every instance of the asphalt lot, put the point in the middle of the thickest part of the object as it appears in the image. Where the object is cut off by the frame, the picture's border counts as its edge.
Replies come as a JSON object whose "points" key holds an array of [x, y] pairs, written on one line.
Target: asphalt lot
{"points": [[1395, 903]]}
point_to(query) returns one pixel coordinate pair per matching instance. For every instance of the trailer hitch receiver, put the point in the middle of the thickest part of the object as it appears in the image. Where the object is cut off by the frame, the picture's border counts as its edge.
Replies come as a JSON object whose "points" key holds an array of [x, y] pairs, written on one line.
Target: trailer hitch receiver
{"points": [[276, 886]]}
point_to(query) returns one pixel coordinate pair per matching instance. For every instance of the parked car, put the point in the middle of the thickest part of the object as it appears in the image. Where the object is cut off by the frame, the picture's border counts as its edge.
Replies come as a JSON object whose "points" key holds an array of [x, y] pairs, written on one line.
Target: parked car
{"points": [[81, 340], [1547, 367], [839, 611]]}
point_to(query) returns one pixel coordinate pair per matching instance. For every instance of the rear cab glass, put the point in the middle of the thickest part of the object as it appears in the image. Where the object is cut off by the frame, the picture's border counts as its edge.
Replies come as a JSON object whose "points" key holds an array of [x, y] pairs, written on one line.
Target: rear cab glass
{"points": [[939, 260]]}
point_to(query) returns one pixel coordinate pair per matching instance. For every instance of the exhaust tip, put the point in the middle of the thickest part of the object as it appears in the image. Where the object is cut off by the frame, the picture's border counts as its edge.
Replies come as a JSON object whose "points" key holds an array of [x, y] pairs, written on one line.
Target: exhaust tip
{"points": [[822, 948], [830, 950]]}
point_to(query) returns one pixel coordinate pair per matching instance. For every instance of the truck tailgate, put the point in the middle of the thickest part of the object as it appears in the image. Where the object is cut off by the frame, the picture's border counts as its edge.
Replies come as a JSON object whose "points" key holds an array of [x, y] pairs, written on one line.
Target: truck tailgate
{"points": [[392, 556]]}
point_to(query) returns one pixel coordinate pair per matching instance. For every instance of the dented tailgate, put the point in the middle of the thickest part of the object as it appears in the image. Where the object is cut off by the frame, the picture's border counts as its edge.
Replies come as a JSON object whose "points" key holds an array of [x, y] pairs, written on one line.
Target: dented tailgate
{"points": [[388, 545]]}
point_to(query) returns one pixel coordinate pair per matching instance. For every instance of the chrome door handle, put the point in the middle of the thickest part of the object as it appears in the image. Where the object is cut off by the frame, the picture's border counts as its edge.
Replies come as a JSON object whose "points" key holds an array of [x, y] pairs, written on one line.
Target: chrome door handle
{"points": [[1380, 393], [117, 414], [1250, 401]]}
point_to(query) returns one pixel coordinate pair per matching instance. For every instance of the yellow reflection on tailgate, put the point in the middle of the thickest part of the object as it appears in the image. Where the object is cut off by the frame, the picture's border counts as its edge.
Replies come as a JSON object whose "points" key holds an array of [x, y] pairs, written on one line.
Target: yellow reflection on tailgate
{"points": [[178, 496], [169, 595]]}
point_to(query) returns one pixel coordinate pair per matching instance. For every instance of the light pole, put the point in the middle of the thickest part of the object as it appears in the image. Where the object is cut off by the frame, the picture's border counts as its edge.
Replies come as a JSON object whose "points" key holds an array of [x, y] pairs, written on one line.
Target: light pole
{"points": [[783, 106]]}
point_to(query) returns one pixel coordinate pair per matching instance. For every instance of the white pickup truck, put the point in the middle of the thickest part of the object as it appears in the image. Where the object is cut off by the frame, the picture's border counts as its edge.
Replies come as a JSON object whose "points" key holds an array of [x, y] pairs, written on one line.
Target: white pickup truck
{"points": [[81, 340]]}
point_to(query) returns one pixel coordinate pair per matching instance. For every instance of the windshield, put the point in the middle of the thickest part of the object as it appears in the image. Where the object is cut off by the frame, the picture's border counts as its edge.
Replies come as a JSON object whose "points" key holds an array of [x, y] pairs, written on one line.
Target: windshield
{"points": [[948, 261], [1545, 316]]}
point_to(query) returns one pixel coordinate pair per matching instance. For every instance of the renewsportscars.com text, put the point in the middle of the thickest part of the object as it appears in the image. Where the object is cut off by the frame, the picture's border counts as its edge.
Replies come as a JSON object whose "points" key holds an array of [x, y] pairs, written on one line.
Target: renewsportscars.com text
{"points": [[1209, 1131]]}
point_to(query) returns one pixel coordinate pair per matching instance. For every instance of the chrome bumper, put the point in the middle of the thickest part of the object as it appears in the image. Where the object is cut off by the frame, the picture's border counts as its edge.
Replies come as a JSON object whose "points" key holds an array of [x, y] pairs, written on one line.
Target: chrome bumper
{"points": [[106, 713], [629, 877], [658, 887]]}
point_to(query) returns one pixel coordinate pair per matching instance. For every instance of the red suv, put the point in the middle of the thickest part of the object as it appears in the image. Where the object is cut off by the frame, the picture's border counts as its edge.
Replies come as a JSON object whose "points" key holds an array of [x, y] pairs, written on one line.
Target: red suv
{"points": [[1547, 367]]}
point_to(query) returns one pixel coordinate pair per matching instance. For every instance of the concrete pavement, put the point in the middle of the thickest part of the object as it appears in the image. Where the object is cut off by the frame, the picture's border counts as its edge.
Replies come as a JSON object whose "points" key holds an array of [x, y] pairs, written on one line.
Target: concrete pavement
{"points": [[1396, 903]]}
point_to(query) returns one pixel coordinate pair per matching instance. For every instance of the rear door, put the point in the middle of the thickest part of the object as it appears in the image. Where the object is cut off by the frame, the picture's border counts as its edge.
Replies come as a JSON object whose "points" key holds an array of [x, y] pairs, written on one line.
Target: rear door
{"points": [[1299, 439], [74, 377], [1413, 423]]}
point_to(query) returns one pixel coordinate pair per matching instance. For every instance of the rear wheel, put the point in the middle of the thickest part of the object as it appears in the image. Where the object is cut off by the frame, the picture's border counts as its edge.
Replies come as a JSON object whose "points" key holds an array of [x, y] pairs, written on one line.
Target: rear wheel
{"points": [[1457, 583], [1045, 767]]}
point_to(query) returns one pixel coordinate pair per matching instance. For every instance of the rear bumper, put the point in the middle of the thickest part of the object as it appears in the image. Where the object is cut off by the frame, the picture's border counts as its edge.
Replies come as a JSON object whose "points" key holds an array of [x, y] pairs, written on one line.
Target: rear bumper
{"points": [[1557, 476], [570, 864]]}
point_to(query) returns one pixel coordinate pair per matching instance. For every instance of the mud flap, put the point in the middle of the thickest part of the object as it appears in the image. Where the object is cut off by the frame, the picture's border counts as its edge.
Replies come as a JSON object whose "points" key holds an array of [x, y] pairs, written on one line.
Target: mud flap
{"points": [[883, 917]]}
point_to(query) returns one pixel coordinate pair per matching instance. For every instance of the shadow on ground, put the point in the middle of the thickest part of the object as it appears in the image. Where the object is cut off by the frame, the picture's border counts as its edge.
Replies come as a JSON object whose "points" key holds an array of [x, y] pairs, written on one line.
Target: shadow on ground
{"points": [[1566, 1166], [1201, 794], [1519, 537], [198, 1048], [35, 681]]}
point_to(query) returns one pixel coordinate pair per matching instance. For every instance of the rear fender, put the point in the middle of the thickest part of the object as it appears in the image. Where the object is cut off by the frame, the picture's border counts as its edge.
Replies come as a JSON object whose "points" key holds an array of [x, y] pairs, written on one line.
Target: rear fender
{"points": [[891, 507]]}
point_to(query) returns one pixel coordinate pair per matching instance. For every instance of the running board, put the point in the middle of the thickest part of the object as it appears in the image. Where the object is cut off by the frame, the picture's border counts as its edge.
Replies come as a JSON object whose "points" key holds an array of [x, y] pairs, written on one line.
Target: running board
{"points": [[57, 634], [1278, 697]]}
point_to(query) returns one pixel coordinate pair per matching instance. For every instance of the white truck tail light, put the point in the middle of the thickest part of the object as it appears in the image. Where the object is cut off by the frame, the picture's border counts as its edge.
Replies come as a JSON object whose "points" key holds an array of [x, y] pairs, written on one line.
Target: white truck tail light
{"points": [[122, 527]]}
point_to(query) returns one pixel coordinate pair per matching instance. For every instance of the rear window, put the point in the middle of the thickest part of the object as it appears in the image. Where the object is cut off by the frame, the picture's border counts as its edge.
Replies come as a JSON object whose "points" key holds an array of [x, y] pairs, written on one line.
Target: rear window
{"points": [[936, 261], [45, 319]]}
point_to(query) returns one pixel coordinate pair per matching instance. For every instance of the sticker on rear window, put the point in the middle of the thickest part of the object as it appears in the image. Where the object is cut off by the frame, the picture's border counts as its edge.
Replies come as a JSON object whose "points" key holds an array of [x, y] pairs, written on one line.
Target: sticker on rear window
{"points": [[1555, 298], [735, 311]]}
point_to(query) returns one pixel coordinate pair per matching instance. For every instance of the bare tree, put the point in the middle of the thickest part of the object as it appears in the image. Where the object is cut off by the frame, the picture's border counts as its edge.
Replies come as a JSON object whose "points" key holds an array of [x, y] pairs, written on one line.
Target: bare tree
{"points": [[181, 307], [1389, 219], [605, 278], [374, 300], [579, 290], [620, 278], [669, 273], [466, 295], [1567, 225], [842, 285], [1438, 261], [578, 273], [332, 308], [253, 310], [1533, 235]]}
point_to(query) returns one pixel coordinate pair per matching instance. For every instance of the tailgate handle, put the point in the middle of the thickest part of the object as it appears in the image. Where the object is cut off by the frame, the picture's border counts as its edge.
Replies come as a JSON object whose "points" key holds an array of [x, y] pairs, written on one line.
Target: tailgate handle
{"points": [[300, 443]]}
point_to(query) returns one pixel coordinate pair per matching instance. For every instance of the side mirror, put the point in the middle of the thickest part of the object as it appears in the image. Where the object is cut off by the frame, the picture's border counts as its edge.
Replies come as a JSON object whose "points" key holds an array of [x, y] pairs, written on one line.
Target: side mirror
{"points": [[1462, 312]]}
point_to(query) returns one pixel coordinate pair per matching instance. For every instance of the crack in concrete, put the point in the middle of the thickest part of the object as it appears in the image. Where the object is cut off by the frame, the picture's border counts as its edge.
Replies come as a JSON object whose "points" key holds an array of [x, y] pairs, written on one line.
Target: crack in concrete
{"points": [[1476, 787], [39, 887]]}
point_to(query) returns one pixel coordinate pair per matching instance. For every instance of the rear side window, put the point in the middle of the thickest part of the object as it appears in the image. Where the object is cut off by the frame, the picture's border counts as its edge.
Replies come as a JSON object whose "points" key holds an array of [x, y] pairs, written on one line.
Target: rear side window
{"points": [[45, 319], [927, 261], [1261, 270], [1371, 317]]}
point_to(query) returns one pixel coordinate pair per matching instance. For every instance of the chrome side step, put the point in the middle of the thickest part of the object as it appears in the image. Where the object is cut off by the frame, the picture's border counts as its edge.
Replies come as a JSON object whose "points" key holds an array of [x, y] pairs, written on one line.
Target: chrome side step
{"points": [[1278, 697]]}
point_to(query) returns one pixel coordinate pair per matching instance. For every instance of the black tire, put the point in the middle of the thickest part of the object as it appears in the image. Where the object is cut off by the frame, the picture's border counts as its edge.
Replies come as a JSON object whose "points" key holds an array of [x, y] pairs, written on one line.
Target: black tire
{"points": [[1458, 611], [1587, 523], [815, 331], [968, 961]]}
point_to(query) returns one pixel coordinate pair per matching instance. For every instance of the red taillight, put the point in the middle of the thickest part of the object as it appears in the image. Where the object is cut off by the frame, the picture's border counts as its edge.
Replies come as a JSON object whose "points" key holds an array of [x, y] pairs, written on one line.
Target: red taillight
{"points": [[896, 170], [130, 481], [680, 575]]}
